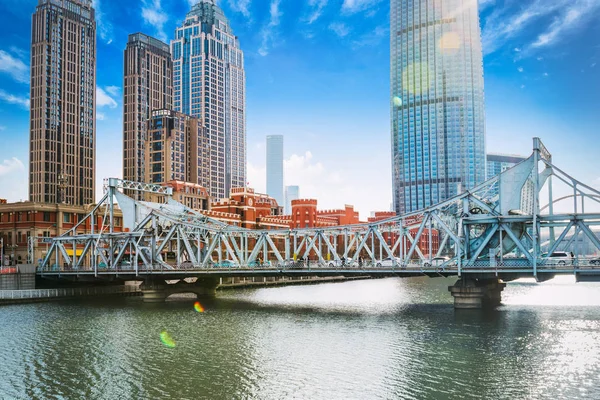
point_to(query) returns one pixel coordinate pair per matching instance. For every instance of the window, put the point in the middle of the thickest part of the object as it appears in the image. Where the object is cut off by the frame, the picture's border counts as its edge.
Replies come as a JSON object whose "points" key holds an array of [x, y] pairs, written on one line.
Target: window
{"points": [[67, 217], [46, 217]]}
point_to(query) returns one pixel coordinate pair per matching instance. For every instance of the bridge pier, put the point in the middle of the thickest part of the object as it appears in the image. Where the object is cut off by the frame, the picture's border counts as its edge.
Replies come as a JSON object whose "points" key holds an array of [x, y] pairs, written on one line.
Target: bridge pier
{"points": [[477, 293], [157, 290]]}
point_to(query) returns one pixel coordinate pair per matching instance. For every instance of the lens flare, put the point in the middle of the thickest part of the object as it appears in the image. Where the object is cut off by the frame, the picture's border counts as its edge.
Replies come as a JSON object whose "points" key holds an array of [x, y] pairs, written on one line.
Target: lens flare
{"points": [[198, 307], [449, 41], [416, 78], [167, 340], [397, 101]]}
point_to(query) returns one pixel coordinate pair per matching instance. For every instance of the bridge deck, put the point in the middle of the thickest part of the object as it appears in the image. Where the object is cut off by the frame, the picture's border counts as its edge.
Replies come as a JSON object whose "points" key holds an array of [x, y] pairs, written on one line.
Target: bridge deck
{"points": [[507, 273]]}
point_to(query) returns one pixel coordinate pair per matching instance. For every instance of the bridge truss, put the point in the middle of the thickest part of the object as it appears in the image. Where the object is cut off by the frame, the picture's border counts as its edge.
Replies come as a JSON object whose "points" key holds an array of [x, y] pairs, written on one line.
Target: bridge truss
{"points": [[505, 225]]}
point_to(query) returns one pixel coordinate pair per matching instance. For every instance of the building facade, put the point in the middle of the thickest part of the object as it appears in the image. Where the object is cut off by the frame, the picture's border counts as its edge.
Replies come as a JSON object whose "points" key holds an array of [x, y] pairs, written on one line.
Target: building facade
{"points": [[209, 83], [189, 194], [147, 86], [175, 149], [275, 167], [21, 221], [291, 193], [437, 101], [63, 103]]}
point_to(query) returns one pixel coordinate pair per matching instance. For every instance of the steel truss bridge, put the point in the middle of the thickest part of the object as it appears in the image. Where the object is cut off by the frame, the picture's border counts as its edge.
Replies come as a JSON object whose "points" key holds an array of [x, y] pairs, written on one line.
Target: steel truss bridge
{"points": [[503, 228]]}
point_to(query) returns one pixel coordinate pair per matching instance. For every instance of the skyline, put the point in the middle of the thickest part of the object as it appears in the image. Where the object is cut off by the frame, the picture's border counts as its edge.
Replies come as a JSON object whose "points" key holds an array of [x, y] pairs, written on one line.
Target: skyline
{"points": [[535, 56]]}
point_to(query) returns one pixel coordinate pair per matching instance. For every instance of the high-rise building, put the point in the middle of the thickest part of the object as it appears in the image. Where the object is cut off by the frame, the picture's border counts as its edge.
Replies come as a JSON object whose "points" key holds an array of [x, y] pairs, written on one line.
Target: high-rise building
{"points": [[498, 163], [275, 167], [437, 101], [291, 193], [147, 86], [209, 83], [175, 149], [63, 103]]}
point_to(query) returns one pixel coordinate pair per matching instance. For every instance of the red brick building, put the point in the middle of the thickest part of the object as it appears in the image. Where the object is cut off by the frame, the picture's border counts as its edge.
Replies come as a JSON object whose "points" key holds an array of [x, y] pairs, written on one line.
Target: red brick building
{"points": [[20, 221]]}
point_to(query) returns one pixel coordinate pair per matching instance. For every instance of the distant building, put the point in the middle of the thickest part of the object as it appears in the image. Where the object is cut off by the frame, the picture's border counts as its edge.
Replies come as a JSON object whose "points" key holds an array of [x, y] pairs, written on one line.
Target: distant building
{"points": [[189, 194], [147, 86], [209, 83], [291, 193], [63, 103], [275, 167], [256, 211], [498, 163], [176, 149]]}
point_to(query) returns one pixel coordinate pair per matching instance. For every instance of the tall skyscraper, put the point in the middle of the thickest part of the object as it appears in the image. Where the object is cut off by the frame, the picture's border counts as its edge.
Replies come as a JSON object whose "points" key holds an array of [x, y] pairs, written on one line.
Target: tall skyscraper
{"points": [[291, 193], [437, 101], [63, 103], [209, 83], [275, 167], [147, 86]]}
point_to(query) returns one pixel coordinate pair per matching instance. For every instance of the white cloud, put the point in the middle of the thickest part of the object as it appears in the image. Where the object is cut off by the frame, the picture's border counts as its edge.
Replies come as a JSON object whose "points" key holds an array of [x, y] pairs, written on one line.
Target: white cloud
{"points": [[12, 99], [104, 27], [13, 66], [354, 6], [483, 4], [241, 6], [371, 38], [520, 69], [113, 90], [153, 15], [545, 74], [317, 7], [333, 187], [501, 27], [13, 179], [100, 116], [9, 166], [339, 29], [572, 17], [268, 31], [103, 99]]}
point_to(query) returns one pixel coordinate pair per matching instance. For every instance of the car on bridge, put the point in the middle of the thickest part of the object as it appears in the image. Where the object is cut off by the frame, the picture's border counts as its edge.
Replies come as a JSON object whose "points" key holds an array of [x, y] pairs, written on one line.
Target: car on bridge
{"points": [[258, 264], [558, 258], [389, 262], [345, 263], [225, 264]]}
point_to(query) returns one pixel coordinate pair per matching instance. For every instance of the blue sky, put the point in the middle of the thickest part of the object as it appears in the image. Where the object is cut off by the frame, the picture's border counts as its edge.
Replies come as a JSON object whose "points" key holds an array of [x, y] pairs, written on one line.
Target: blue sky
{"points": [[318, 73]]}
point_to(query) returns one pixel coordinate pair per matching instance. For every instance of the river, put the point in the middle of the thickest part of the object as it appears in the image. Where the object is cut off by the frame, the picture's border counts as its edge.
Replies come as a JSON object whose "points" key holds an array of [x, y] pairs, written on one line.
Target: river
{"points": [[376, 339]]}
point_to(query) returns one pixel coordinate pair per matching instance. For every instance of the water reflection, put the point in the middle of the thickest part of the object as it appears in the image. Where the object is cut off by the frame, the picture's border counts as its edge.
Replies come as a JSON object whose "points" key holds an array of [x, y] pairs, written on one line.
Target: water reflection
{"points": [[383, 339]]}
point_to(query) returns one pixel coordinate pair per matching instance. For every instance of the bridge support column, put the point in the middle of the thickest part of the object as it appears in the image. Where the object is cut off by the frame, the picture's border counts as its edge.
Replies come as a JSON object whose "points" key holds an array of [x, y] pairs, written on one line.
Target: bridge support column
{"points": [[154, 291], [157, 291], [471, 293]]}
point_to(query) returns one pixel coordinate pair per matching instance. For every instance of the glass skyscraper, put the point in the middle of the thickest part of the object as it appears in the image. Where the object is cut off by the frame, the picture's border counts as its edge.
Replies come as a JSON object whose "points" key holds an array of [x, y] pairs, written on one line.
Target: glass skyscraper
{"points": [[209, 83], [275, 167], [437, 101]]}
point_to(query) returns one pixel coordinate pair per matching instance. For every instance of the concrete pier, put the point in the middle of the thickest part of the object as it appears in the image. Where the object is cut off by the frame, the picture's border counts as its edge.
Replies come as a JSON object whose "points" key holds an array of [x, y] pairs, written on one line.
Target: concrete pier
{"points": [[477, 293], [157, 290]]}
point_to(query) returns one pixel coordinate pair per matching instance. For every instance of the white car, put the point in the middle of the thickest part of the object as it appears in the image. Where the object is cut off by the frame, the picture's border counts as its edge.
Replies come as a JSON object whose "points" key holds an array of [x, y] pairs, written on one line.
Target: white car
{"points": [[389, 262], [559, 258]]}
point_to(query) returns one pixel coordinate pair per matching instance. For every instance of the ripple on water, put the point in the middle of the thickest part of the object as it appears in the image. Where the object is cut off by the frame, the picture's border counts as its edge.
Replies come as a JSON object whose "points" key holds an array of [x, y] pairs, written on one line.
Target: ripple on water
{"points": [[386, 339]]}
